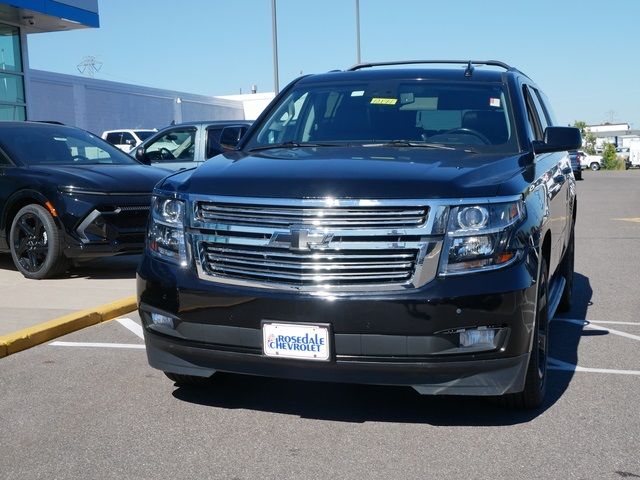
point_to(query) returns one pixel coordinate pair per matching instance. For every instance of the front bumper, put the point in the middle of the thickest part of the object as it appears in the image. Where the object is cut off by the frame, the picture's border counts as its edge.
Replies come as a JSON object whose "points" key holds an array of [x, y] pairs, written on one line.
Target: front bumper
{"points": [[97, 226], [403, 338]]}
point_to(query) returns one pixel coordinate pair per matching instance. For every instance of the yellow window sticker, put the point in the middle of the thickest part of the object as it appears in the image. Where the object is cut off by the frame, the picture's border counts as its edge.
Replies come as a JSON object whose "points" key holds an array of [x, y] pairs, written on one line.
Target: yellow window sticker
{"points": [[384, 101]]}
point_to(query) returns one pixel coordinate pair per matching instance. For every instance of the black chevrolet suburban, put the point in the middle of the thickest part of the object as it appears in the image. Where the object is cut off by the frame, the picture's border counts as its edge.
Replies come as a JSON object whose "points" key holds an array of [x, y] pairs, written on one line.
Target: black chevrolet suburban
{"points": [[402, 223]]}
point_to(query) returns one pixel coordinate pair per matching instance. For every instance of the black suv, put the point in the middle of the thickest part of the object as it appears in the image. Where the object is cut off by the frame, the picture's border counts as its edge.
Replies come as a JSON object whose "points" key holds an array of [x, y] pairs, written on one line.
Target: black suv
{"points": [[67, 194], [401, 226]]}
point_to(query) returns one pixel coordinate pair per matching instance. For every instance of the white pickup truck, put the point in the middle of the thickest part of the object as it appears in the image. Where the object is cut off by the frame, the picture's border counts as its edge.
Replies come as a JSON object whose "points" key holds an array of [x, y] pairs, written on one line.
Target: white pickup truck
{"points": [[594, 162], [127, 139], [634, 154]]}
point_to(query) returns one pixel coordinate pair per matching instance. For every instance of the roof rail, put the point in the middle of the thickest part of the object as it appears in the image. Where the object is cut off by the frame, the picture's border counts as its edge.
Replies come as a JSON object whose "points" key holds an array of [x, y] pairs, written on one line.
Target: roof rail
{"points": [[468, 63]]}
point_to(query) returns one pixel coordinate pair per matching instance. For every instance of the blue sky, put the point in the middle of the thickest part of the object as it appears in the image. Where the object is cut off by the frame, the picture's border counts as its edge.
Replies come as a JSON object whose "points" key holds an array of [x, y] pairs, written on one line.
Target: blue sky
{"points": [[583, 53]]}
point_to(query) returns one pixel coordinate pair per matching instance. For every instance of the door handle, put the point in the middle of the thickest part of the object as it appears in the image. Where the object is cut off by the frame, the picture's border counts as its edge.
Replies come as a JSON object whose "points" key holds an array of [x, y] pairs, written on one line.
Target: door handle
{"points": [[559, 178]]}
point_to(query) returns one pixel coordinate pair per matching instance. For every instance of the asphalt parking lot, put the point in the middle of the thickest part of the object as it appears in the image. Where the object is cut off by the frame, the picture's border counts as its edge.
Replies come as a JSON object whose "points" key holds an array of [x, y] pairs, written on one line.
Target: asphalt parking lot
{"points": [[89, 406]]}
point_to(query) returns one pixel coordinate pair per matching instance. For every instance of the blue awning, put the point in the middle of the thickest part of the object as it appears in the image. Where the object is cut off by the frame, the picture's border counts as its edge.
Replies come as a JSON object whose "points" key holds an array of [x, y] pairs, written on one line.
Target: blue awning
{"points": [[52, 15]]}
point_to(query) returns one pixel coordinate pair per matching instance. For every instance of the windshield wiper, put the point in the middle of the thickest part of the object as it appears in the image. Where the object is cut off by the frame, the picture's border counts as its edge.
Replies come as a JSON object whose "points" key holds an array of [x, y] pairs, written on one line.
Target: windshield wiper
{"points": [[407, 143], [291, 144]]}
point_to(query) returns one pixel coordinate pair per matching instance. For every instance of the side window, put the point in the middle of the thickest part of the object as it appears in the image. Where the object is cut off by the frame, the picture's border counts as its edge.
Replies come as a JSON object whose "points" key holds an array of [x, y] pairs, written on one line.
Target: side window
{"points": [[213, 142], [175, 145], [127, 139], [547, 107], [534, 121], [542, 114], [114, 138]]}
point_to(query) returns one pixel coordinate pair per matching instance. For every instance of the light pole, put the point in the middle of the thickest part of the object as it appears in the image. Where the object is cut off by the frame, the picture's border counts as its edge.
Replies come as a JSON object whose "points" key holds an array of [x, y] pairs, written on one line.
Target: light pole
{"points": [[358, 59], [274, 29]]}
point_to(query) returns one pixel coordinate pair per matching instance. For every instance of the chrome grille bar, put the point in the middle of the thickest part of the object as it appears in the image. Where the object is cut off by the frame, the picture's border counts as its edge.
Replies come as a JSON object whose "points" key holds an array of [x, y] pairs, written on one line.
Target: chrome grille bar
{"points": [[342, 245], [339, 217]]}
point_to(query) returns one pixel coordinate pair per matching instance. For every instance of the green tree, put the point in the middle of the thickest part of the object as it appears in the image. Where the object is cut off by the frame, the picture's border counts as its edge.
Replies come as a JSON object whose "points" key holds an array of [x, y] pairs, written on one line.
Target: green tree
{"points": [[588, 138], [610, 160]]}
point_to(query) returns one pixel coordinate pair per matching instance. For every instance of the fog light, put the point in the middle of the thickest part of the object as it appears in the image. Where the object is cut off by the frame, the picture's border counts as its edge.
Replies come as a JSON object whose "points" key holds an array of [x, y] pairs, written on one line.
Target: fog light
{"points": [[477, 337], [159, 319]]}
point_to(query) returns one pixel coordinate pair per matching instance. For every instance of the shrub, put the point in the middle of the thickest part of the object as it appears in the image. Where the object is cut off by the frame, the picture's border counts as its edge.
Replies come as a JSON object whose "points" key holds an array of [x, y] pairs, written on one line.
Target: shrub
{"points": [[610, 160]]}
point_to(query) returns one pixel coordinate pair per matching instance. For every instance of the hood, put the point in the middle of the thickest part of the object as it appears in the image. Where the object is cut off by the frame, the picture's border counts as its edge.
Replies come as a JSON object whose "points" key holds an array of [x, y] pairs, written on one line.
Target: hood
{"points": [[104, 178], [351, 172]]}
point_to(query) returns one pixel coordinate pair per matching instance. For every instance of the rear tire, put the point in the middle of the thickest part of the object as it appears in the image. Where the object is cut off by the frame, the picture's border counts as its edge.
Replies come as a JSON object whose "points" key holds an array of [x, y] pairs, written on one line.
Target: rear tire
{"points": [[180, 379], [536, 378], [36, 244], [595, 166]]}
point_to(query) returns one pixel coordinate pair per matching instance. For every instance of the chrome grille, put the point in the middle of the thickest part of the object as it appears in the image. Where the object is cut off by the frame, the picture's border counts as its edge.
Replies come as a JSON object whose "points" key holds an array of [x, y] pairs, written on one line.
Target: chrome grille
{"points": [[331, 216], [316, 245], [310, 267]]}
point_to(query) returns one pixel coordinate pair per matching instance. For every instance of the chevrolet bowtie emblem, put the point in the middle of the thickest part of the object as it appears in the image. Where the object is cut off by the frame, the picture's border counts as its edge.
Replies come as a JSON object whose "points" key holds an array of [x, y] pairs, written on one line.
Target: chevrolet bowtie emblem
{"points": [[300, 239]]}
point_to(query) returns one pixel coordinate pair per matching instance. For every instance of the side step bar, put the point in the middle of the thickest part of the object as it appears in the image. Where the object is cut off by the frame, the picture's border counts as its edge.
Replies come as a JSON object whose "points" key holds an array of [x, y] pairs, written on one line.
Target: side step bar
{"points": [[555, 294]]}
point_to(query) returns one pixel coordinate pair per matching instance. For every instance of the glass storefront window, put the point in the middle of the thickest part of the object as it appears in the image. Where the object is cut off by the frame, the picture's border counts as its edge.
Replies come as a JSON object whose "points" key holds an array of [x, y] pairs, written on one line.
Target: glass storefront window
{"points": [[12, 113], [12, 99], [11, 88], [10, 57]]}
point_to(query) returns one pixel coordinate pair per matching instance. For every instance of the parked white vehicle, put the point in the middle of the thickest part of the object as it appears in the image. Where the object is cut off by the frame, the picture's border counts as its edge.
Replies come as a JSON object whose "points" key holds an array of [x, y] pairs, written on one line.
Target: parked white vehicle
{"points": [[127, 139], [634, 154], [594, 162]]}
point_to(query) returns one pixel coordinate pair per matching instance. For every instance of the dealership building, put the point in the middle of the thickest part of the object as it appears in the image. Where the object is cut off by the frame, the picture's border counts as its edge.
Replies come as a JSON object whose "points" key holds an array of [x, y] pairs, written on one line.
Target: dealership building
{"points": [[89, 103]]}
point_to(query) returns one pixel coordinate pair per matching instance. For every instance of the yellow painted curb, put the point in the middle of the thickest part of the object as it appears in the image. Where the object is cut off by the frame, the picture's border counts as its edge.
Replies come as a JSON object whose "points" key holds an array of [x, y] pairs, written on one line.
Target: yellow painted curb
{"points": [[43, 332]]}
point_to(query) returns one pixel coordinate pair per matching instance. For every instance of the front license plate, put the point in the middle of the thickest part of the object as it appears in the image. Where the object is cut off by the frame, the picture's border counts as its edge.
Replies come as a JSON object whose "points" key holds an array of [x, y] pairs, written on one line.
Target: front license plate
{"points": [[291, 340]]}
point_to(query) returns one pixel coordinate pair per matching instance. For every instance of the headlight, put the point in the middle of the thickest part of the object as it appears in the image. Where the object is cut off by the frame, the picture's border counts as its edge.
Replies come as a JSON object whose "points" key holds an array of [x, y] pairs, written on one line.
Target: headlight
{"points": [[478, 236], [165, 237]]}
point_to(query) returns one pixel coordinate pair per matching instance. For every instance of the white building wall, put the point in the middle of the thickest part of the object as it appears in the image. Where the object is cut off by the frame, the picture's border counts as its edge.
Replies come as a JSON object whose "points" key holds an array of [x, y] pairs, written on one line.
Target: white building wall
{"points": [[98, 105], [253, 103]]}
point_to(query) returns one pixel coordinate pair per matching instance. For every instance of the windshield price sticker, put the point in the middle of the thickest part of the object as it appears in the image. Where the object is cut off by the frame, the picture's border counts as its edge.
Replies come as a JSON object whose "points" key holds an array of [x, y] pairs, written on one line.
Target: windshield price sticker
{"points": [[383, 101], [494, 102], [286, 340]]}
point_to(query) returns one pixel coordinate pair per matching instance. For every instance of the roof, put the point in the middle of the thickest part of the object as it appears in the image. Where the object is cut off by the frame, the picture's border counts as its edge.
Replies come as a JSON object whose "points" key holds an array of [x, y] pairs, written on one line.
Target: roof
{"points": [[479, 74], [223, 123]]}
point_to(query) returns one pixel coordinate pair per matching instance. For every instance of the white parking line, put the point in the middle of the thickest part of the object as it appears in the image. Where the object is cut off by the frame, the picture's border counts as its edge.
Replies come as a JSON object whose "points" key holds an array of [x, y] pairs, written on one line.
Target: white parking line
{"points": [[635, 324], [93, 344], [555, 364], [132, 326], [595, 326]]}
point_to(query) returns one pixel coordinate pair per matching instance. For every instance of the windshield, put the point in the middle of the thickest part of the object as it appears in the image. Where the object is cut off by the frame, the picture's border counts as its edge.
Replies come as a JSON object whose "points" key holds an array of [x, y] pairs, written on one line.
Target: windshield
{"points": [[144, 134], [459, 115], [59, 146]]}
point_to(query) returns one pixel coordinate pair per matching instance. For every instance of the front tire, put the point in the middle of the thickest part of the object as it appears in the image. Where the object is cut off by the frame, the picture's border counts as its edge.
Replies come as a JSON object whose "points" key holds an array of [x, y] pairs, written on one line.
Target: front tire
{"points": [[536, 378], [595, 166], [36, 243]]}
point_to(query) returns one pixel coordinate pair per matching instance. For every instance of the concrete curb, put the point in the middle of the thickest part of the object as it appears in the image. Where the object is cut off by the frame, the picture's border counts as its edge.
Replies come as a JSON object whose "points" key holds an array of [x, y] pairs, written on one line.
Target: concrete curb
{"points": [[43, 332]]}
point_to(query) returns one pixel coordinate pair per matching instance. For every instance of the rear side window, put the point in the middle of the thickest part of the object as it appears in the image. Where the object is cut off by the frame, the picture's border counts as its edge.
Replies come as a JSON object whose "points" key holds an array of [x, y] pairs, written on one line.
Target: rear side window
{"points": [[213, 142], [114, 138]]}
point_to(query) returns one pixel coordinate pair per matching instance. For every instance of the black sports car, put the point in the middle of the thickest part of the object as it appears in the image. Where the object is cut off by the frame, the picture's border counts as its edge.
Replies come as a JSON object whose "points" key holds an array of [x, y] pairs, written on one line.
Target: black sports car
{"points": [[66, 194]]}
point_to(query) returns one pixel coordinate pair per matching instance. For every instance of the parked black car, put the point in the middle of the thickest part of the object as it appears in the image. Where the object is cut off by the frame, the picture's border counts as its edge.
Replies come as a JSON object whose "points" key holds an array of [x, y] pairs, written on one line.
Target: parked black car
{"points": [[401, 226], [67, 194], [576, 157]]}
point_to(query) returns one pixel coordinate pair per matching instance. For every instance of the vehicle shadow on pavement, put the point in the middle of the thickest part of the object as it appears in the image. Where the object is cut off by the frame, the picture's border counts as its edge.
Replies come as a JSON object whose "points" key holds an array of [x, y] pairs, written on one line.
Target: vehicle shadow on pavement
{"points": [[108, 268], [118, 267], [370, 403]]}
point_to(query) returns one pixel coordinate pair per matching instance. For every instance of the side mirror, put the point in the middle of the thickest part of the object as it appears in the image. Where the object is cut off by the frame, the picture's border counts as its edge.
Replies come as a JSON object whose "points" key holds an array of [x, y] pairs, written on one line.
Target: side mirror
{"points": [[141, 156], [559, 139], [130, 141], [230, 136]]}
